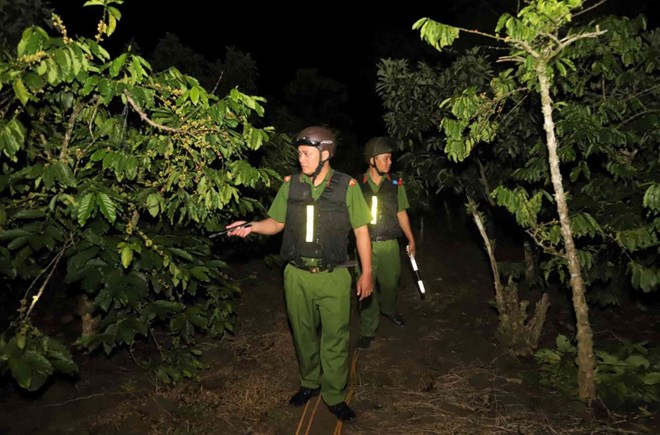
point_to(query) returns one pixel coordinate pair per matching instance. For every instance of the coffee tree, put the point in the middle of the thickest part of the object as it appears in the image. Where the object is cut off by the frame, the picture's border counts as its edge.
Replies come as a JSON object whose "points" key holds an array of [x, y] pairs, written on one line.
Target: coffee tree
{"points": [[112, 179]]}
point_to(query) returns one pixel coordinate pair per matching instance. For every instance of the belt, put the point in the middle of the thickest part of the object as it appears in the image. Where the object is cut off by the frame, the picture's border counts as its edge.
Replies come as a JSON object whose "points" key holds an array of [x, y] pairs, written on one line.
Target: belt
{"points": [[381, 239], [312, 269], [321, 268]]}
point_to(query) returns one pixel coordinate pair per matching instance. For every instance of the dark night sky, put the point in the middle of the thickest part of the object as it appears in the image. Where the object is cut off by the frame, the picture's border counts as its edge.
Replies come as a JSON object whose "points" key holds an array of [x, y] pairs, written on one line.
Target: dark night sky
{"points": [[335, 37]]}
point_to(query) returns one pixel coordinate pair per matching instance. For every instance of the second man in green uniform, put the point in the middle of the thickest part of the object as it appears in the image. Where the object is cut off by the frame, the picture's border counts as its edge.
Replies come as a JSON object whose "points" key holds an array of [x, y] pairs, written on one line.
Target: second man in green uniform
{"points": [[388, 201]]}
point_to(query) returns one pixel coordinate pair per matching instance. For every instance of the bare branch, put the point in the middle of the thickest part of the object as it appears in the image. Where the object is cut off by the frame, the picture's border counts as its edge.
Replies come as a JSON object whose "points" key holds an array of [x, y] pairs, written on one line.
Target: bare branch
{"points": [[487, 35], [69, 129], [525, 46], [486, 186], [472, 207], [53, 266], [97, 102], [517, 59], [145, 118], [552, 37], [218, 82], [541, 243], [565, 42], [637, 115], [585, 10], [508, 114]]}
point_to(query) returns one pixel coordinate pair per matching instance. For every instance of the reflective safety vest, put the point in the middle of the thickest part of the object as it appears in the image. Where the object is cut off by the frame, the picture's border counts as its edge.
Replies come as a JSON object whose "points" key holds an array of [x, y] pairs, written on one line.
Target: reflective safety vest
{"points": [[317, 229], [384, 206]]}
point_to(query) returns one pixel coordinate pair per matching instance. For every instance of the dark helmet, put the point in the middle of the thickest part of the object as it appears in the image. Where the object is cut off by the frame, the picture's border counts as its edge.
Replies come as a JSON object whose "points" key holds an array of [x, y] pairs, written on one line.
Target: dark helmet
{"points": [[318, 137], [378, 145]]}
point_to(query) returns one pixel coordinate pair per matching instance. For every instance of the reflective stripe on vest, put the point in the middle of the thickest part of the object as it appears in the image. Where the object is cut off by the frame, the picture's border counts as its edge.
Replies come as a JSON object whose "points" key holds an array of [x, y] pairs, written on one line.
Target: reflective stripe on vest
{"points": [[309, 227]]}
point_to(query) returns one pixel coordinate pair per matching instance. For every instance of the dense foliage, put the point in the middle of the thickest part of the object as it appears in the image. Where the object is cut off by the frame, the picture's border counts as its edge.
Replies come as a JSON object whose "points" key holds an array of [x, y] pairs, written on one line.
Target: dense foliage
{"points": [[607, 118], [112, 179], [572, 130]]}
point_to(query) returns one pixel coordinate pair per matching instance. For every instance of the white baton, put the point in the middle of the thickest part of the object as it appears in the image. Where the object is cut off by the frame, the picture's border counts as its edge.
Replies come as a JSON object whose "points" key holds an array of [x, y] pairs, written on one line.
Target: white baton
{"points": [[414, 266]]}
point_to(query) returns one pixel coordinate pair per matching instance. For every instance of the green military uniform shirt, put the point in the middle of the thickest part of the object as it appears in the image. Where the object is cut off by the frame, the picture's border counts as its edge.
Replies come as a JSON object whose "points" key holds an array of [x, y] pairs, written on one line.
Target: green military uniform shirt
{"points": [[402, 198]]}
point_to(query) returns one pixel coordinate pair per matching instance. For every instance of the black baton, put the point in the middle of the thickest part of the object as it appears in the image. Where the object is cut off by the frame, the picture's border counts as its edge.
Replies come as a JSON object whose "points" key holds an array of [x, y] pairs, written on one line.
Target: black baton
{"points": [[222, 233]]}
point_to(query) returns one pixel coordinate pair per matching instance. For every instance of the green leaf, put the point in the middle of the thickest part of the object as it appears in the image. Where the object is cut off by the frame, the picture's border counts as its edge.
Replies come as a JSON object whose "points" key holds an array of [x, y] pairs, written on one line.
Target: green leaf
{"points": [[12, 137], [181, 253], [103, 299], [29, 214], [652, 378], [106, 206], [21, 92], [127, 331], [64, 174], [645, 278], [59, 356], [63, 59], [563, 344], [162, 309], [153, 204], [652, 197], [85, 207], [32, 40], [126, 256], [200, 273], [638, 238], [30, 370], [638, 361], [112, 25], [116, 65], [15, 233], [98, 155], [194, 94], [21, 339], [114, 12], [437, 34]]}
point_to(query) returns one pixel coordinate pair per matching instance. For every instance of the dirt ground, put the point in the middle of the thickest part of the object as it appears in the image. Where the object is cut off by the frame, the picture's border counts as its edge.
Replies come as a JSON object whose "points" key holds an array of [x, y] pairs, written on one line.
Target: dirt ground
{"points": [[441, 374]]}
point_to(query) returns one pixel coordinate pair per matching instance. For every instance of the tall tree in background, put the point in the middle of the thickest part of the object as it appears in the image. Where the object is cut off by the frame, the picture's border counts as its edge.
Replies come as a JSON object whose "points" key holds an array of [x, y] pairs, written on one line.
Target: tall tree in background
{"points": [[545, 50], [217, 76], [311, 98], [16, 15]]}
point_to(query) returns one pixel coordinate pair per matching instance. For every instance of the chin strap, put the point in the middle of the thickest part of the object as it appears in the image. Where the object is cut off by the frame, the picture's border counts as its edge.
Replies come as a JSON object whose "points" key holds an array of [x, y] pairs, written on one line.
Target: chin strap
{"points": [[373, 165], [319, 168]]}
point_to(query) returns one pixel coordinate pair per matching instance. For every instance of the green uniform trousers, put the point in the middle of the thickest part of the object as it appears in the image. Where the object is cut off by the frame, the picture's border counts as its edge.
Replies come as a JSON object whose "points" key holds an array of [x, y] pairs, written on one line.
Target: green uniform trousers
{"points": [[386, 271], [320, 300]]}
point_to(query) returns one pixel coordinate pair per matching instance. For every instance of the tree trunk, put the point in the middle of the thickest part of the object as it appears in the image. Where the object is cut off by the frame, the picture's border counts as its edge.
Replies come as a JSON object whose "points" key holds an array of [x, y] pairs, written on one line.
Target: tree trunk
{"points": [[515, 330], [530, 267], [585, 359], [89, 322]]}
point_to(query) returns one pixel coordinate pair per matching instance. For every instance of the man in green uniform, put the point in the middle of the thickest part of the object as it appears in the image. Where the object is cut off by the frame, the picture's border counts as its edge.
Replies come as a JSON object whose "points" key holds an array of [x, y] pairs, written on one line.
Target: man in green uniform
{"points": [[316, 209], [388, 201]]}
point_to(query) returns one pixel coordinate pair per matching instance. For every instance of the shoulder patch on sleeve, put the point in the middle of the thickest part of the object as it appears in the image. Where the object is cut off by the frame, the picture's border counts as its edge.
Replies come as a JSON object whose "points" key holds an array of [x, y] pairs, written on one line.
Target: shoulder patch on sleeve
{"points": [[399, 182], [352, 182], [287, 178]]}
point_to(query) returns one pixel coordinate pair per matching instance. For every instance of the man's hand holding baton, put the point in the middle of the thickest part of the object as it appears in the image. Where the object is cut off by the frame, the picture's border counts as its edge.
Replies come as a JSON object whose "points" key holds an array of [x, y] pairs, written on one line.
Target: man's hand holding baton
{"points": [[235, 229]]}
